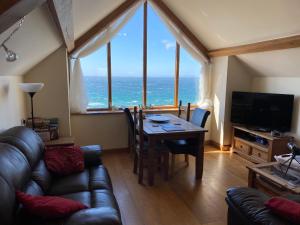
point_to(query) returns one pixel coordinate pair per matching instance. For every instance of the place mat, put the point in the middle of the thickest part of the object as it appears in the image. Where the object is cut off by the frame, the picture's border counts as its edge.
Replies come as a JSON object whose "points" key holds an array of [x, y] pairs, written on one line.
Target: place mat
{"points": [[171, 127]]}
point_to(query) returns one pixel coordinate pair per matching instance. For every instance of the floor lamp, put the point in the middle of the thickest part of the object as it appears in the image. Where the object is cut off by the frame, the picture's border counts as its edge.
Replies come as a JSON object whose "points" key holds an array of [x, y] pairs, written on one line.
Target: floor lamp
{"points": [[31, 89]]}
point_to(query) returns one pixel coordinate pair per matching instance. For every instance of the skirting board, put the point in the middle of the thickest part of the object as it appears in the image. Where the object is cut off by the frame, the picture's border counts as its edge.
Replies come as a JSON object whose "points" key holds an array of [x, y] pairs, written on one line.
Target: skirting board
{"points": [[218, 146], [207, 142]]}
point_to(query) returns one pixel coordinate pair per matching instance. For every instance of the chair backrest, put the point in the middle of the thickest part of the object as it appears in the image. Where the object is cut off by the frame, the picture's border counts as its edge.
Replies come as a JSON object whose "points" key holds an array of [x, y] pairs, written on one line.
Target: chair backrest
{"points": [[141, 131], [199, 117], [129, 119], [179, 108], [188, 112]]}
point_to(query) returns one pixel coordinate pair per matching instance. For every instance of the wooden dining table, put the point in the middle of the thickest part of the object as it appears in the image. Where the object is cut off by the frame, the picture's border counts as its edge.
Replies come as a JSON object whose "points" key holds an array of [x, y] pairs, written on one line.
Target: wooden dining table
{"points": [[156, 132]]}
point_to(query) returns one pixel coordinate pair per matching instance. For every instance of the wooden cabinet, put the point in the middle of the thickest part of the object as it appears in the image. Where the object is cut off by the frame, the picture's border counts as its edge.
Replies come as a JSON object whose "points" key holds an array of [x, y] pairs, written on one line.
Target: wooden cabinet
{"points": [[257, 147]]}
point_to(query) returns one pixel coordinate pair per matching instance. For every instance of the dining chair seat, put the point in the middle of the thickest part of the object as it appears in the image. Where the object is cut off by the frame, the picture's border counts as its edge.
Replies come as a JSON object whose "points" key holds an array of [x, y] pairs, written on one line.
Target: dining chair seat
{"points": [[184, 146]]}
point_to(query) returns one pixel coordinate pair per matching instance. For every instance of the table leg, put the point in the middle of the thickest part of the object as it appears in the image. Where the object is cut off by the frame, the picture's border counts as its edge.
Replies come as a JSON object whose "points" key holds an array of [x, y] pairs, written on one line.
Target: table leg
{"points": [[200, 157], [151, 163], [251, 178]]}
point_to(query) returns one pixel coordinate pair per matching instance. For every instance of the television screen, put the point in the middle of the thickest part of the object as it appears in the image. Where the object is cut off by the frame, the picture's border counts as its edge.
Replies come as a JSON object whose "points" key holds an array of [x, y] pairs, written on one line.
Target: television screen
{"points": [[263, 111]]}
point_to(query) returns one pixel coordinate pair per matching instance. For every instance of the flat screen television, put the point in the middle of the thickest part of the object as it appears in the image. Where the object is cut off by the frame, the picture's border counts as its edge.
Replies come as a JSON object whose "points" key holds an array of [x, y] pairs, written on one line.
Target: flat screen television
{"points": [[262, 111]]}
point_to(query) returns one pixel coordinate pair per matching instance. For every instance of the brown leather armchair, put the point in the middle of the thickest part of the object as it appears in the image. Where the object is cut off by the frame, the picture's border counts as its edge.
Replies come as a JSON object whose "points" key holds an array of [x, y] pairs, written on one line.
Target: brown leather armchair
{"points": [[22, 168]]}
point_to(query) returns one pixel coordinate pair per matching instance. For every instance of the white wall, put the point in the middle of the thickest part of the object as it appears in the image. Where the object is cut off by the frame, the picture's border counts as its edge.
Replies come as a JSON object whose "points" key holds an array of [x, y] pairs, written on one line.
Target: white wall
{"points": [[228, 74], [219, 82], [239, 78], [108, 130], [282, 85], [12, 107], [53, 99]]}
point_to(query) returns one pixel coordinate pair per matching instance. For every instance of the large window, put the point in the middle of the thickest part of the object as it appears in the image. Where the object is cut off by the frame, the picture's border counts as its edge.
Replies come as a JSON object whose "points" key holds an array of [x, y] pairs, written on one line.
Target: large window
{"points": [[160, 62], [94, 68], [142, 65], [189, 70], [127, 63]]}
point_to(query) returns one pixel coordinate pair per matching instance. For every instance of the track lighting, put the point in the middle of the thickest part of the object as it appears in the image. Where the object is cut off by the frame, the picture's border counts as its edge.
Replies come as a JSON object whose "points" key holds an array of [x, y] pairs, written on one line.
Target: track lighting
{"points": [[10, 55]]}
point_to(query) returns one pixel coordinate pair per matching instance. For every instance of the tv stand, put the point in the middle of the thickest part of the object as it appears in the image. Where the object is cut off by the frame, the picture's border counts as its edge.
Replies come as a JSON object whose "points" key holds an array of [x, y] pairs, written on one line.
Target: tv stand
{"points": [[257, 146], [259, 129]]}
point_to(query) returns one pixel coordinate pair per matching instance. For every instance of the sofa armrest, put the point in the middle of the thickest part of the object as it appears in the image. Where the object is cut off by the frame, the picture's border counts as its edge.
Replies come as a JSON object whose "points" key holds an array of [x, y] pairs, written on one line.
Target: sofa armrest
{"points": [[92, 155]]}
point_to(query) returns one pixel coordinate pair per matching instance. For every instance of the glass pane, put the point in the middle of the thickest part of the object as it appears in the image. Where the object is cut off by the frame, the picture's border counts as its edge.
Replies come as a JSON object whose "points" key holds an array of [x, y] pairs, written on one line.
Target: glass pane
{"points": [[161, 62], [189, 74], [127, 63], [94, 68]]}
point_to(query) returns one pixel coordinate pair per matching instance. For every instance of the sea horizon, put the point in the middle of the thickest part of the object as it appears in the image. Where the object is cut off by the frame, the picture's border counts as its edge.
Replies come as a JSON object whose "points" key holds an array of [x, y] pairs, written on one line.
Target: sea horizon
{"points": [[127, 90]]}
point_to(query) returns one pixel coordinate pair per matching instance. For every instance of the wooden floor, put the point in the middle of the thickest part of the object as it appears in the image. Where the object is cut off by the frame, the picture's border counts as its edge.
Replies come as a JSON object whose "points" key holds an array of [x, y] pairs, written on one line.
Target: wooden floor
{"points": [[181, 200]]}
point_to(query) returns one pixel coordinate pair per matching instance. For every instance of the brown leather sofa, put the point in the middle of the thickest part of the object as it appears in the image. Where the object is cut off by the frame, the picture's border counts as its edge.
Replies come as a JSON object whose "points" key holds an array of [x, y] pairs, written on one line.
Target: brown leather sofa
{"points": [[246, 207], [22, 168]]}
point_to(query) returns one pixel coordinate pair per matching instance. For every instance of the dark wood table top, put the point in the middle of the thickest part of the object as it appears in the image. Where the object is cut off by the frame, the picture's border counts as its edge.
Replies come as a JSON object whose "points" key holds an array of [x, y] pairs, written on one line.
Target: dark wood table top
{"points": [[153, 128]]}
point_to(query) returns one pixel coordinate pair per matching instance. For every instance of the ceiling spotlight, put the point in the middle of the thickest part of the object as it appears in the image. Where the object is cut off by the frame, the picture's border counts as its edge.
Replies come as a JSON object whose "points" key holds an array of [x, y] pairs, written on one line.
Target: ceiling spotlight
{"points": [[10, 55]]}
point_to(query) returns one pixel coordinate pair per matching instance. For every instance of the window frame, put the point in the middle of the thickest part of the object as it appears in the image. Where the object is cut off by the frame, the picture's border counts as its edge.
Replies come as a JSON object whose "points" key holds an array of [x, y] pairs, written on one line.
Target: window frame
{"points": [[145, 75]]}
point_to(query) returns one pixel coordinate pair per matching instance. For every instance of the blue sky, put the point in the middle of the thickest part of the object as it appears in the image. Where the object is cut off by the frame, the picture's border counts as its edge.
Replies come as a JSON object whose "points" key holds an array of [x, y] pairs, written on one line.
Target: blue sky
{"points": [[127, 51]]}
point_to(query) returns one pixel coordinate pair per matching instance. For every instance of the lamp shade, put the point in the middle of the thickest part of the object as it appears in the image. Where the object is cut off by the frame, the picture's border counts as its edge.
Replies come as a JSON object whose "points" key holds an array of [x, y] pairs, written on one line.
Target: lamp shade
{"points": [[31, 87]]}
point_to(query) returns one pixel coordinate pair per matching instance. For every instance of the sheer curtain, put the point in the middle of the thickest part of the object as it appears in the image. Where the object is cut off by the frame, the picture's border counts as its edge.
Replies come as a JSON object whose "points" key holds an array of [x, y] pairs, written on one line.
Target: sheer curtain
{"points": [[205, 80], [78, 95]]}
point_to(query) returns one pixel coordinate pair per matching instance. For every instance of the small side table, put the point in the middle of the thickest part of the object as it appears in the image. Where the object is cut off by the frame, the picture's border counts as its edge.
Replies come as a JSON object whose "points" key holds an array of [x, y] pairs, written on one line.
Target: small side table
{"points": [[261, 177], [61, 141]]}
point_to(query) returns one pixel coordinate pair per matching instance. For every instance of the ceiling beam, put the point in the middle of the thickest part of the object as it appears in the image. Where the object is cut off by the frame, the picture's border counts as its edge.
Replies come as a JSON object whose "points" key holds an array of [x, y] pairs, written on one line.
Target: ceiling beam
{"points": [[11, 11], [180, 25], [270, 45], [96, 29], [61, 11]]}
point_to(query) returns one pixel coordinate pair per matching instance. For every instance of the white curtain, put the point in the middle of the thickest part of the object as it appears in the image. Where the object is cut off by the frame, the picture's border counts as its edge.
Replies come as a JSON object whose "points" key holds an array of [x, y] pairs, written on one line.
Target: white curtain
{"points": [[78, 94], [204, 83]]}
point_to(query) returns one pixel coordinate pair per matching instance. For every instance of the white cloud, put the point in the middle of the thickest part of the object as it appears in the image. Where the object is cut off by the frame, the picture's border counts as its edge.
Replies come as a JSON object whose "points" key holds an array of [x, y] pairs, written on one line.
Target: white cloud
{"points": [[122, 34], [169, 44]]}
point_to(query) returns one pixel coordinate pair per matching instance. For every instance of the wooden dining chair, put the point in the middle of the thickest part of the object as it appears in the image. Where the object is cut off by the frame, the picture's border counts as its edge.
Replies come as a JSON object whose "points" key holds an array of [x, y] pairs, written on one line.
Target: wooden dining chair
{"points": [[131, 138], [141, 154], [186, 109], [187, 146]]}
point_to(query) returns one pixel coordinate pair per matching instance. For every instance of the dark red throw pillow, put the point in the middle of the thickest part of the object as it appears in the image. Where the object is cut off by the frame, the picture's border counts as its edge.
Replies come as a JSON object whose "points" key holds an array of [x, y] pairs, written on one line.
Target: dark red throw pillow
{"points": [[64, 160], [48, 207], [285, 208]]}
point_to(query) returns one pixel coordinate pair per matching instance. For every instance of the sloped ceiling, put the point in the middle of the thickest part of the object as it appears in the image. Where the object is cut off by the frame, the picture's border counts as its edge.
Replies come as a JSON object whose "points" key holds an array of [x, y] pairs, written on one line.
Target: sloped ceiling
{"points": [[227, 23], [36, 39], [281, 63], [216, 23], [87, 13]]}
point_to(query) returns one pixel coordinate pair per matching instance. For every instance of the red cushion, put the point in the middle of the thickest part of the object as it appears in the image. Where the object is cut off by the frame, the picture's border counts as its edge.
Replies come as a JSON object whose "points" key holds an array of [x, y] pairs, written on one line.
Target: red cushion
{"points": [[64, 160], [48, 207], [288, 209]]}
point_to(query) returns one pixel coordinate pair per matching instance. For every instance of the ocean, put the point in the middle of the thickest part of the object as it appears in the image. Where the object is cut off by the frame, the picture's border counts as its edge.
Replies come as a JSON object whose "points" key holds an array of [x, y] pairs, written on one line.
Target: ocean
{"points": [[127, 91]]}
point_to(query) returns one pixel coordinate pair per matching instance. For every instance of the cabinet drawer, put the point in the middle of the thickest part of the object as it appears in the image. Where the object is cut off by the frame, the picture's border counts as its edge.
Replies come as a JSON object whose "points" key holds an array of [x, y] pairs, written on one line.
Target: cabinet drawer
{"points": [[242, 147], [260, 154]]}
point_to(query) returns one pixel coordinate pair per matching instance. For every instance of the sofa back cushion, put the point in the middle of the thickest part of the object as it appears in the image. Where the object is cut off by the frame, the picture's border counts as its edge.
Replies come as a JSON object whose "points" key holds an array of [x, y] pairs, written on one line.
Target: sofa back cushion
{"points": [[27, 141], [42, 176]]}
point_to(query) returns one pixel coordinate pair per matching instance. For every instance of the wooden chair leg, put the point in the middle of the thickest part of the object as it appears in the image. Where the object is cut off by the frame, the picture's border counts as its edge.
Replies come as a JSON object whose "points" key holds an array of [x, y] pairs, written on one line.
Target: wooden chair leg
{"points": [[141, 169], [172, 164], [135, 163], [166, 165], [186, 158]]}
